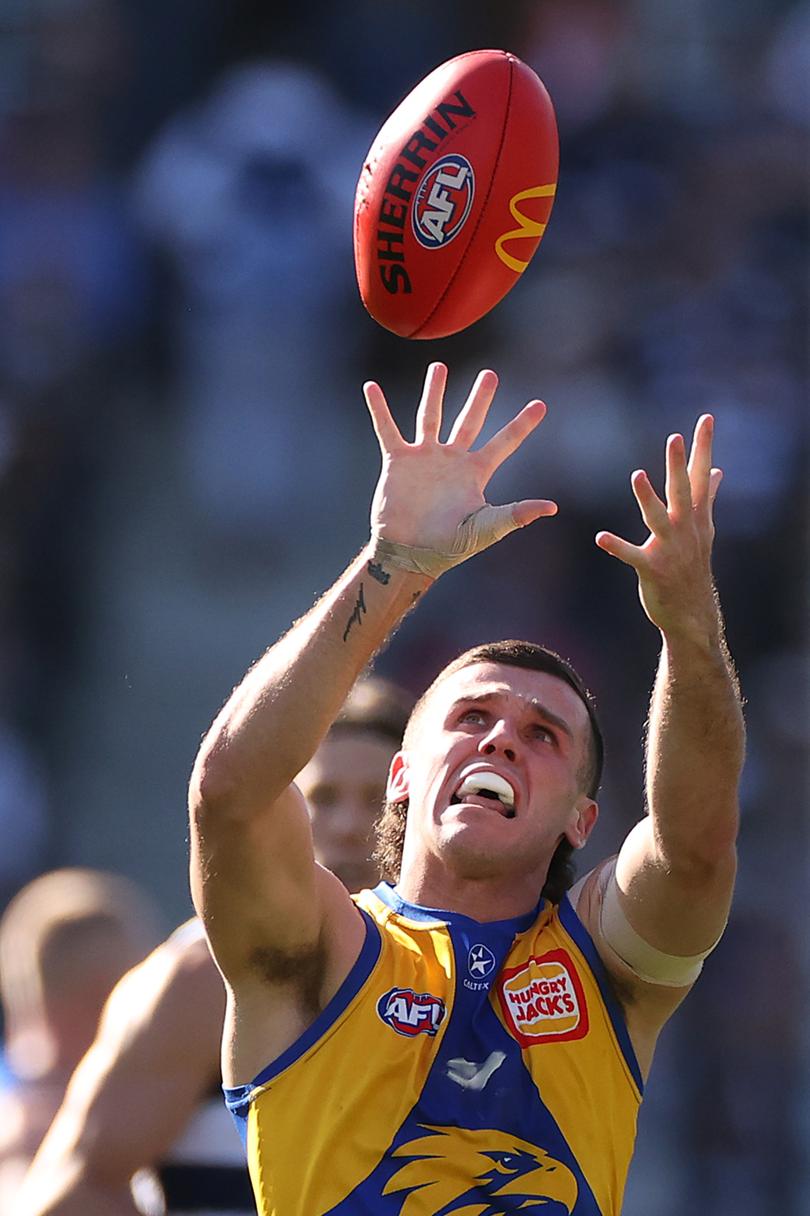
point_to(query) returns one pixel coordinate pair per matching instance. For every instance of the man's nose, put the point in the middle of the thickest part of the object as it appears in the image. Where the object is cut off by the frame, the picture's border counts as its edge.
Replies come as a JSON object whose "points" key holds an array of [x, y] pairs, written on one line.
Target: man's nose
{"points": [[500, 740]]}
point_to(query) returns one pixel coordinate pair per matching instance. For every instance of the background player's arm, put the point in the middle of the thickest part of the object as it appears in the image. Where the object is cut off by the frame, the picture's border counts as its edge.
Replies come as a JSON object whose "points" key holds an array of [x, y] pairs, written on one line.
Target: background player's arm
{"points": [[266, 906], [154, 1059], [675, 872]]}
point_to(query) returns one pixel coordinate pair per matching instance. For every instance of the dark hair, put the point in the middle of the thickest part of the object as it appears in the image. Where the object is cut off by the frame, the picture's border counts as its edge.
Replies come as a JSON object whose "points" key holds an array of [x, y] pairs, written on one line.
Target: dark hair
{"points": [[375, 706], [390, 829]]}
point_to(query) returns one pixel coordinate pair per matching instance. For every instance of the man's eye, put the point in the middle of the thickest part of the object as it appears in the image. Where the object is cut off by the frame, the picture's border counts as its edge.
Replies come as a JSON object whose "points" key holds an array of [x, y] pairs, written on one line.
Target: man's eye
{"points": [[472, 715], [544, 734]]}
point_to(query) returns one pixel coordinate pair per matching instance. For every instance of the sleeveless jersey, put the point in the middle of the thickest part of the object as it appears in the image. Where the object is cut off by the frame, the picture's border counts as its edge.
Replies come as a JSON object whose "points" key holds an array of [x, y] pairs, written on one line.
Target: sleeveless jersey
{"points": [[462, 1069]]}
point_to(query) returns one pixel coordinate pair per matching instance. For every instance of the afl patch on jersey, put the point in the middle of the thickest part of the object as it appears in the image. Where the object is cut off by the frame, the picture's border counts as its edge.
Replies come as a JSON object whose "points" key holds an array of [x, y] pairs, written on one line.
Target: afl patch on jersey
{"points": [[411, 1013]]}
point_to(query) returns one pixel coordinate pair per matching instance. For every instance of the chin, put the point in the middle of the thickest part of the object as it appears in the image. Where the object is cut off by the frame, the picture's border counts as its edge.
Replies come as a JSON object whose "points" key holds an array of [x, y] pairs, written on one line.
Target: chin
{"points": [[473, 856]]}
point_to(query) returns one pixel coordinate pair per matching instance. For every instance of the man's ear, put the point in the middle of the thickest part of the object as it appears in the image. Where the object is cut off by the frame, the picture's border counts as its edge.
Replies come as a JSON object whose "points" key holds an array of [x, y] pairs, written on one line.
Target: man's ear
{"points": [[398, 787], [583, 821]]}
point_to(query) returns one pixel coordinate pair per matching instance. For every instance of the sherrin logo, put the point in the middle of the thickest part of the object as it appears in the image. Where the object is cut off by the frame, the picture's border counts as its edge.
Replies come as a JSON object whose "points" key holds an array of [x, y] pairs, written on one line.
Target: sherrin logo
{"points": [[411, 1013], [543, 1000], [443, 200]]}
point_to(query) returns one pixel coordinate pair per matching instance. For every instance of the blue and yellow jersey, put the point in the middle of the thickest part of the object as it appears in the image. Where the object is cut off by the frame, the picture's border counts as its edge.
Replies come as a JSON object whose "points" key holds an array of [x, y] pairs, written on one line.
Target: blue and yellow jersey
{"points": [[462, 1069]]}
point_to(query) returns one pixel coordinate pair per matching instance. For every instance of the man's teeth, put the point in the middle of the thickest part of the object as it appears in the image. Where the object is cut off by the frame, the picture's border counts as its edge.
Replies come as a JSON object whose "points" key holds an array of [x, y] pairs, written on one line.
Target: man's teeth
{"points": [[488, 784]]}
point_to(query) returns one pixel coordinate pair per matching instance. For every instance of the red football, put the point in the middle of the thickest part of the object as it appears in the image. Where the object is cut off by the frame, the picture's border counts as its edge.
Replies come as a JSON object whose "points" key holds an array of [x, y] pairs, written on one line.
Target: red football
{"points": [[455, 195]]}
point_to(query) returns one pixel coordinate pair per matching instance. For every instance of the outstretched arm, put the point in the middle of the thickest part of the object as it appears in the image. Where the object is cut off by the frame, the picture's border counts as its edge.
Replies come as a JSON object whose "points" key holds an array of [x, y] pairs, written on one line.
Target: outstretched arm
{"points": [[255, 883], [675, 872], [154, 1058]]}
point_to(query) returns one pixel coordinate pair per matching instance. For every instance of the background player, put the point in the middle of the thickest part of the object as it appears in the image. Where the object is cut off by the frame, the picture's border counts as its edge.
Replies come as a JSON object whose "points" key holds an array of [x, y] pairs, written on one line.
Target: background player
{"points": [[156, 1056], [65, 939], [284, 932]]}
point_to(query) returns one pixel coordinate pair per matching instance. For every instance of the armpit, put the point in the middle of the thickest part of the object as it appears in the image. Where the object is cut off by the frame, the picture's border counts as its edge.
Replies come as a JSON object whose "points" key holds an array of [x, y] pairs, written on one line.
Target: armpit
{"points": [[302, 970]]}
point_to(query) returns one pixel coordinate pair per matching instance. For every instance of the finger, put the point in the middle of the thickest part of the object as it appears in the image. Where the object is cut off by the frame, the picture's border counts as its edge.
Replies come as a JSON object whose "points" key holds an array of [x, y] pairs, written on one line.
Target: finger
{"points": [[678, 492], [468, 424], [617, 547], [653, 511], [715, 477], [386, 430], [700, 459], [509, 438], [429, 414]]}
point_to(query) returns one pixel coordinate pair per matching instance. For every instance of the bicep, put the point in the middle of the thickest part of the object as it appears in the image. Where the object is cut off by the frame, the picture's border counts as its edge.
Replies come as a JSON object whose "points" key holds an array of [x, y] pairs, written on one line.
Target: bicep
{"points": [[681, 910], [254, 881]]}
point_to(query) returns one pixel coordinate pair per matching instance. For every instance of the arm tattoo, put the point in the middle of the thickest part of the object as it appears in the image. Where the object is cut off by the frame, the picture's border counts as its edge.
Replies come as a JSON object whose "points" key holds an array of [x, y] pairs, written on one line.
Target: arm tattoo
{"points": [[357, 613], [376, 570]]}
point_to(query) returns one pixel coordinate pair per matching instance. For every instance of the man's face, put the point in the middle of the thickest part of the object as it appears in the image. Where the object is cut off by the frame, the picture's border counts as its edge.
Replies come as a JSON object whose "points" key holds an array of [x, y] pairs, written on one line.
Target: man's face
{"points": [[344, 785], [492, 729]]}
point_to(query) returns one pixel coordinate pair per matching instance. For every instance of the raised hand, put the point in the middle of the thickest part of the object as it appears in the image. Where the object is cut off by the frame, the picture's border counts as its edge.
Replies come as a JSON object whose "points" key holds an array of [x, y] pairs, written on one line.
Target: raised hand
{"points": [[674, 563], [429, 504]]}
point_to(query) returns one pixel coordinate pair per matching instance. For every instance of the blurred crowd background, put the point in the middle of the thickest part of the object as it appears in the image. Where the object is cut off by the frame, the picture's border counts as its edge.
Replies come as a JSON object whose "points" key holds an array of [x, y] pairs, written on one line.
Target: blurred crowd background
{"points": [[186, 460]]}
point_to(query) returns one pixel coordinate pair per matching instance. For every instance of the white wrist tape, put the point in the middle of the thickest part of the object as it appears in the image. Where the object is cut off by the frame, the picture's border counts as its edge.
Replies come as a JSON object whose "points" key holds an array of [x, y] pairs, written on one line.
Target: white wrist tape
{"points": [[644, 960], [477, 531]]}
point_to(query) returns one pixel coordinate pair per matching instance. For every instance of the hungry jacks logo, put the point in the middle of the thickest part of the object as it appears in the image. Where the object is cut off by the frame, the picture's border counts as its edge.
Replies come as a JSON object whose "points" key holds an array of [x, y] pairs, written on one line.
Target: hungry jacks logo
{"points": [[543, 1000]]}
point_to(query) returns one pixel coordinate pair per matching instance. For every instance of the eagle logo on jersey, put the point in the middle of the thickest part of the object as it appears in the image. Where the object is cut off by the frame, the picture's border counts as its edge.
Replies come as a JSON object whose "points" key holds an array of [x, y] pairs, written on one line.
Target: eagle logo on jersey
{"points": [[457, 1172]]}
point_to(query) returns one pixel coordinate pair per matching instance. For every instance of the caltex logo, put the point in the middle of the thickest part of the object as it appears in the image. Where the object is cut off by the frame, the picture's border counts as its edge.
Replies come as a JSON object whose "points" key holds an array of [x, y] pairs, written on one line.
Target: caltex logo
{"points": [[411, 1013], [480, 961], [443, 201]]}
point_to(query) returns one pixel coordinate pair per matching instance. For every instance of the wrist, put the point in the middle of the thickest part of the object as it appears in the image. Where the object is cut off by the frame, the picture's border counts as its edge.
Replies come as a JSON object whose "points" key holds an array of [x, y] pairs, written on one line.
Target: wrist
{"points": [[700, 644], [403, 566], [702, 630], [387, 559]]}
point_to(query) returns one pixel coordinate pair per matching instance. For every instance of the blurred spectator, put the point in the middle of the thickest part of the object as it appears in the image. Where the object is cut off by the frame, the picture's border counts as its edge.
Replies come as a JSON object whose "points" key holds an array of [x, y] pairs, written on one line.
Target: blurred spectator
{"points": [[65, 939], [248, 196], [72, 301]]}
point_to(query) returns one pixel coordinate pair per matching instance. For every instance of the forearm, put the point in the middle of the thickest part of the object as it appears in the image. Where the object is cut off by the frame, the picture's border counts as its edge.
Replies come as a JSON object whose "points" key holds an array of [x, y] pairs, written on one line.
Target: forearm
{"points": [[275, 719], [695, 749]]}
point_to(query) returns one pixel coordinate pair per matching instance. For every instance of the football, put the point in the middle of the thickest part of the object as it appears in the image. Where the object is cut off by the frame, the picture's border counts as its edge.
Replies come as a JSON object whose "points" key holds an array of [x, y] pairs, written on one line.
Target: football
{"points": [[455, 194]]}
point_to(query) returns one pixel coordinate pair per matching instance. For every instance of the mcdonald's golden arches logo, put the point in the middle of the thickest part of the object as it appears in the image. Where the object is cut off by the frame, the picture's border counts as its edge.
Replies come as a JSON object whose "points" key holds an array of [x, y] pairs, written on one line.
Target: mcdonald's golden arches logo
{"points": [[529, 228]]}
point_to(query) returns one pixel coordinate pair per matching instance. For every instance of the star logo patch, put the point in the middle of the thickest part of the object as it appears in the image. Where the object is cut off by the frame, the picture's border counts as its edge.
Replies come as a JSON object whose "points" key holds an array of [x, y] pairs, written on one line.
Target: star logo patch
{"points": [[480, 961]]}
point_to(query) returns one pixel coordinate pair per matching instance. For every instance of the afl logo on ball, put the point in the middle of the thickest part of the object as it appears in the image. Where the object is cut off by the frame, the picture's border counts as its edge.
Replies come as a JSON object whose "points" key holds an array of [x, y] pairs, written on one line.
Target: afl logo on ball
{"points": [[443, 201]]}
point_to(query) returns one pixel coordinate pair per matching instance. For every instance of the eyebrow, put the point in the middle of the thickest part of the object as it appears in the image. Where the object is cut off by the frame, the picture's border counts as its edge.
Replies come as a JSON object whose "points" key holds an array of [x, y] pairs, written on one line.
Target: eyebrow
{"points": [[539, 708]]}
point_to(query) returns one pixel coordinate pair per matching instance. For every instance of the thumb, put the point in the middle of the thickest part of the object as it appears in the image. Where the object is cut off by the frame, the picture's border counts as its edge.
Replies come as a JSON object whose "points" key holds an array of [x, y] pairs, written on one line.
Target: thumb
{"points": [[530, 509], [490, 524]]}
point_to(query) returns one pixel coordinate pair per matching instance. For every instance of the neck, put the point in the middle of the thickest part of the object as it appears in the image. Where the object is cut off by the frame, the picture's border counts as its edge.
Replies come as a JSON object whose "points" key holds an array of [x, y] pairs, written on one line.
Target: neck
{"points": [[481, 898]]}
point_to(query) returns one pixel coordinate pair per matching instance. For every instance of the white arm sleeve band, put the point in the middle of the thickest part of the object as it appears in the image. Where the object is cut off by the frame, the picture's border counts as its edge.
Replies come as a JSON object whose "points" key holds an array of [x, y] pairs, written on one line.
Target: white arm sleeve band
{"points": [[645, 961]]}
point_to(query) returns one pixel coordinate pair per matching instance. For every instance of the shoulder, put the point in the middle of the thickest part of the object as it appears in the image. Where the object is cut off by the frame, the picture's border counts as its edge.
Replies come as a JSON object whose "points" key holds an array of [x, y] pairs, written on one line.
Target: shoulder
{"points": [[175, 994]]}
